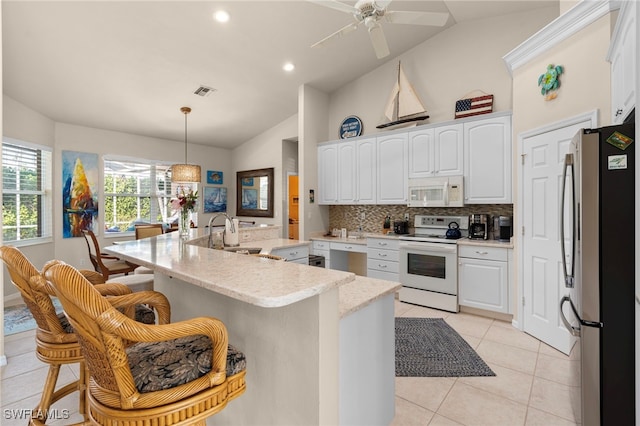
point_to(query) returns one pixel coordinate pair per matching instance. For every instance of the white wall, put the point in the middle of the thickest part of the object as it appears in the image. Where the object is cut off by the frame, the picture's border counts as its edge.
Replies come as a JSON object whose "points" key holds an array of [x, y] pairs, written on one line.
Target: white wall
{"points": [[443, 69], [26, 124], [264, 151]]}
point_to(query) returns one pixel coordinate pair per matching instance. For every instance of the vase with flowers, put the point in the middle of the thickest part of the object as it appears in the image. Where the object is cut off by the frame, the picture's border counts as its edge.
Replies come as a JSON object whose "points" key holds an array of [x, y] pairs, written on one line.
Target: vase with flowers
{"points": [[184, 203]]}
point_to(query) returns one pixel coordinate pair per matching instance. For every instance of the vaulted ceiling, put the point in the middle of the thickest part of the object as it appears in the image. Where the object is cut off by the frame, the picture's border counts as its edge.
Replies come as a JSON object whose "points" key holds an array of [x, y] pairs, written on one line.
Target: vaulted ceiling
{"points": [[130, 66]]}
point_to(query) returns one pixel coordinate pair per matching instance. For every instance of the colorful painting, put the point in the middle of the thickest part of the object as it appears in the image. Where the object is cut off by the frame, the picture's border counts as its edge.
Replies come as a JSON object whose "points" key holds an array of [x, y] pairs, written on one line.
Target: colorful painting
{"points": [[79, 193], [247, 181], [215, 199], [214, 177], [250, 198]]}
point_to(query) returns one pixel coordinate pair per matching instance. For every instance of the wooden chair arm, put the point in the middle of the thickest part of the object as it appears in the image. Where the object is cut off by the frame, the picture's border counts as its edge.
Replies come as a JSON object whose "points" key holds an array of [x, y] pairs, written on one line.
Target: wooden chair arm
{"points": [[154, 299], [113, 289], [92, 276], [125, 328]]}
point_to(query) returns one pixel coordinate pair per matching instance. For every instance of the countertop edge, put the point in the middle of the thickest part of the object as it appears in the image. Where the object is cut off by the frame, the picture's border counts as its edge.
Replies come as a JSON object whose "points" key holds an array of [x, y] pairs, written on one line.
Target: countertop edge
{"points": [[361, 292], [485, 243]]}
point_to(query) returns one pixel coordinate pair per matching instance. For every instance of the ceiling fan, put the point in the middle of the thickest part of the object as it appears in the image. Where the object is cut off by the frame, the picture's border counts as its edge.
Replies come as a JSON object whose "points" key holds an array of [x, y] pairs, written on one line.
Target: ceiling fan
{"points": [[371, 13]]}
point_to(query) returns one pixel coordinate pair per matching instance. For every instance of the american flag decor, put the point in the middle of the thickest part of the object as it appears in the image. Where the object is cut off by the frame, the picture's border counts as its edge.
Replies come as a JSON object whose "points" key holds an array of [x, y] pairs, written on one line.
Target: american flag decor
{"points": [[474, 106]]}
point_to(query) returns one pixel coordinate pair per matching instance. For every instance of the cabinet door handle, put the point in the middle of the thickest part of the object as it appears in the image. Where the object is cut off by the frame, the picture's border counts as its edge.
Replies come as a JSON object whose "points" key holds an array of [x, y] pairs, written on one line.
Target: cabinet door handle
{"points": [[618, 112], [348, 247], [482, 252], [381, 266], [382, 244], [293, 253]]}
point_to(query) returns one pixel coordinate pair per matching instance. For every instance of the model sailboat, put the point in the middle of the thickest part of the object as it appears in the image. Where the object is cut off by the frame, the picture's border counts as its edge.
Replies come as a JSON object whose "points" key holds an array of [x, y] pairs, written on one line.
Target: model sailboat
{"points": [[403, 106]]}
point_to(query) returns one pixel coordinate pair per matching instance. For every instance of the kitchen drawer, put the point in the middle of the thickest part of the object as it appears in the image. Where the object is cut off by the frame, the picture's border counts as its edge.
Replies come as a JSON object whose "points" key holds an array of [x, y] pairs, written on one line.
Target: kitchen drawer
{"points": [[292, 253], [483, 252], [356, 248], [382, 275], [382, 254], [383, 243], [383, 265], [321, 245], [324, 253]]}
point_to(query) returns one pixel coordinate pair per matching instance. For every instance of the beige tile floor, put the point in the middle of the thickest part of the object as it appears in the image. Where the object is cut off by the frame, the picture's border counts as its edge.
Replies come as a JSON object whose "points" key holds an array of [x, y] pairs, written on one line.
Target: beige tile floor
{"points": [[534, 383]]}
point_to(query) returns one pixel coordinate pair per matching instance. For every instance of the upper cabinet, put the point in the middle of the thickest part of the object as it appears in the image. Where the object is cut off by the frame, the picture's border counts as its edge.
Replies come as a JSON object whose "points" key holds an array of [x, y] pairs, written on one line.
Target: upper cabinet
{"points": [[487, 161], [622, 55], [392, 163], [376, 169], [328, 173], [436, 151]]}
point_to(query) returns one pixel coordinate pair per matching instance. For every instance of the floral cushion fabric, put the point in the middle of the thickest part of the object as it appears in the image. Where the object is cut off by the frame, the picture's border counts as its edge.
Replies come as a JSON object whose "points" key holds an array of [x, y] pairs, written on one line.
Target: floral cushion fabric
{"points": [[144, 315], [164, 365]]}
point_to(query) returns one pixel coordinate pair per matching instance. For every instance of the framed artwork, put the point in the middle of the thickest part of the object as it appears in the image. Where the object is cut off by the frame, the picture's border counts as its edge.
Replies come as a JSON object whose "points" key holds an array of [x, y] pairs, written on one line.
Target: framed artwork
{"points": [[249, 199], [79, 193], [248, 181], [214, 177], [215, 199]]}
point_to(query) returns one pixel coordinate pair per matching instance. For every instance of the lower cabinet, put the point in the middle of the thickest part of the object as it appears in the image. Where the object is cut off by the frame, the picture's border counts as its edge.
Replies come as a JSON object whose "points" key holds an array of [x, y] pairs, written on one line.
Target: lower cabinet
{"points": [[296, 254], [322, 248], [484, 277], [382, 259]]}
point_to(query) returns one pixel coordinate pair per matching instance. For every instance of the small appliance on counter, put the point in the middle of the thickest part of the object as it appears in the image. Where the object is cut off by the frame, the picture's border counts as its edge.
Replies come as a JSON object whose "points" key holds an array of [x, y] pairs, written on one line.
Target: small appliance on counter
{"points": [[401, 226], [479, 226], [502, 228]]}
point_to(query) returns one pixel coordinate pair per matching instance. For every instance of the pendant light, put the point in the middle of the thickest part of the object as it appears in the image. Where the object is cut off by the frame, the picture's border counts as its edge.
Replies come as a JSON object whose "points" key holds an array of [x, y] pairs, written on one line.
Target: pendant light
{"points": [[185, 172]]}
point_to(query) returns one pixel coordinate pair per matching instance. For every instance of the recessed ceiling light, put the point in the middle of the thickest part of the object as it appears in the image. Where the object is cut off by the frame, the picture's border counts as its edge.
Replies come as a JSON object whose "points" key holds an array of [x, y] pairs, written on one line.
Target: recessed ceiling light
{"points": [[221, 16], [288, 67]]}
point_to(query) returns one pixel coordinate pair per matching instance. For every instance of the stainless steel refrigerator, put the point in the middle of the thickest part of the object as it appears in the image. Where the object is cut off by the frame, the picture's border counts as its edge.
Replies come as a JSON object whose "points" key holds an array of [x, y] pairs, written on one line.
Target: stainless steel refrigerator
{"points": [[597, 224]]}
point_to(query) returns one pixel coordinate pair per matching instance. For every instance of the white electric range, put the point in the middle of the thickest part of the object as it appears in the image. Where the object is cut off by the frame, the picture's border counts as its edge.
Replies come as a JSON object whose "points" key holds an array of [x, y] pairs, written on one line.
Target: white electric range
{"points": [[429, 262]]}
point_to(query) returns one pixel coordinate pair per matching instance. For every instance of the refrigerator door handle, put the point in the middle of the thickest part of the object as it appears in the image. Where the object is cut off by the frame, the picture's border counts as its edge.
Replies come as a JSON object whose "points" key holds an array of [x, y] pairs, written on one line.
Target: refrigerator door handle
{"points": [[575, 331], [569, 278]]}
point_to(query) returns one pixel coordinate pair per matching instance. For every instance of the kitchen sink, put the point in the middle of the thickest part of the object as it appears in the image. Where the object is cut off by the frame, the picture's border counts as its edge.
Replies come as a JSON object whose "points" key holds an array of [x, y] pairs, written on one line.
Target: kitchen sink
{"points": [[251, 250]]}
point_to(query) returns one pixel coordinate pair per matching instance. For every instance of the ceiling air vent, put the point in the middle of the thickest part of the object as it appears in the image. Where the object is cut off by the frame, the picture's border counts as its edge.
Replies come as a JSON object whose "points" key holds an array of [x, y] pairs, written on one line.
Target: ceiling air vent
{"points": [[204, 91]]}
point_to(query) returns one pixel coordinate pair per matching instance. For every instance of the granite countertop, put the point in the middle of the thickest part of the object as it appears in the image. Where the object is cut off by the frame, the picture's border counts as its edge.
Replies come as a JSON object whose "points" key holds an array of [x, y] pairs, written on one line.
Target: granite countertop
{"points": [[362, 291], [251, 279], [485, 243], [361, 240]]}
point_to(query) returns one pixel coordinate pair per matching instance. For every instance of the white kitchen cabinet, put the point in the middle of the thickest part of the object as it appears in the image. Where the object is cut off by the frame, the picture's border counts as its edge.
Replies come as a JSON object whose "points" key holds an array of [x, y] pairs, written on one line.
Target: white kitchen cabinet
{"points": [[295, 254], [366, 171], [327, 173], [622, 55], [346, 172], [383, 256], [487, 161], [322, 248], [436, 151], [484, 278], [392, 164]]}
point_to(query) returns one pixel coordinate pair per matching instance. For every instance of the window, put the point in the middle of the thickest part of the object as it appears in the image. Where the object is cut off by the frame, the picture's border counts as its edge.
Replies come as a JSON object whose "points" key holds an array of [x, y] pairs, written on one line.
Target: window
{"points": [[26, 192], [135, 192]]}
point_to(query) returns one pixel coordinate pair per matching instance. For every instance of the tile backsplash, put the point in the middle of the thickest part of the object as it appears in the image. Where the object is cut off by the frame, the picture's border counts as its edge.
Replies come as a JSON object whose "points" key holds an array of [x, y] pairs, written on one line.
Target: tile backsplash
{"points": [[348, 216]]}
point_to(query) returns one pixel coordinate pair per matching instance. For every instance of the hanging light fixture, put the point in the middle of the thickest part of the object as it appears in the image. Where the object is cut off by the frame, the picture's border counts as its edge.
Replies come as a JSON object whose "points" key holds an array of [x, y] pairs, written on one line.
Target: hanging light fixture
{"points": [[185, 172]]}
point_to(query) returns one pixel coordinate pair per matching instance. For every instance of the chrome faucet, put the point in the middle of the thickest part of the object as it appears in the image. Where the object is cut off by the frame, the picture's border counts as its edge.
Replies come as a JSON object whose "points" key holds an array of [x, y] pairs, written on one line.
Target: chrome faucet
{"points": [[232, 229]]}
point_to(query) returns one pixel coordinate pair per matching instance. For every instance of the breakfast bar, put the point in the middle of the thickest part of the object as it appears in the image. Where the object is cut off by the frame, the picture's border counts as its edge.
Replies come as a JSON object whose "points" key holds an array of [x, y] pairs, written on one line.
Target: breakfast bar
{"points": [[295, 323]]}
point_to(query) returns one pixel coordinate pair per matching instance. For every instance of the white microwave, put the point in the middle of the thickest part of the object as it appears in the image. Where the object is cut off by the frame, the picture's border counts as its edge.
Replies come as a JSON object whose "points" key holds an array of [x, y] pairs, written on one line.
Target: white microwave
{"points": [[436, 192]]}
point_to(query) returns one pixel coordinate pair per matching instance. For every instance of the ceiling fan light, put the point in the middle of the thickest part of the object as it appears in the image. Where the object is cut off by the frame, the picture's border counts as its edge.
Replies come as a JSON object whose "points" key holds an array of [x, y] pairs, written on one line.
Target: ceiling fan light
{"points": [[221, 16]]}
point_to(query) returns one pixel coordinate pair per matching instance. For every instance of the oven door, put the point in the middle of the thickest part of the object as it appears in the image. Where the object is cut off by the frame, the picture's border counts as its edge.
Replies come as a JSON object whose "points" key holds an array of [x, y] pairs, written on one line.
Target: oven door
{"points": [[429, 266]]}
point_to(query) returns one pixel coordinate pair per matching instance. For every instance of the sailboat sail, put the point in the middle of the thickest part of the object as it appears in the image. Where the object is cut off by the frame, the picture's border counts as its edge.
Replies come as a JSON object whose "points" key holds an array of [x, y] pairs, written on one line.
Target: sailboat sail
{"points": [[404, 105]]}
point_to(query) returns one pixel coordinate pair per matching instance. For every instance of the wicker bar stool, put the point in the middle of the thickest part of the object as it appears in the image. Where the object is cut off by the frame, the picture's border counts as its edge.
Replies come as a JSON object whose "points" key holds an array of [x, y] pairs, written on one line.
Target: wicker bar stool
{"points": [[147, 231], [56, 343], [176, 374]]}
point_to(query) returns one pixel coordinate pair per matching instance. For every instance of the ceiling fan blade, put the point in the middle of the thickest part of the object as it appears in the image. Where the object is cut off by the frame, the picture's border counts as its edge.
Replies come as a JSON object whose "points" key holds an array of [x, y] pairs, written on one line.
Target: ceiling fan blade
{"points": [[341, 32], [334, 4], [379, 41], [381, 4], [435, 19]]}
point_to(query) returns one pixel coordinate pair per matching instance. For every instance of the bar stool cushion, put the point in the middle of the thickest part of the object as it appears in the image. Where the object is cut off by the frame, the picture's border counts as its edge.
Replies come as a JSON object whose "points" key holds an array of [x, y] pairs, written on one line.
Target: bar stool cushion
{"points": [[163, 365], [136, 282]]}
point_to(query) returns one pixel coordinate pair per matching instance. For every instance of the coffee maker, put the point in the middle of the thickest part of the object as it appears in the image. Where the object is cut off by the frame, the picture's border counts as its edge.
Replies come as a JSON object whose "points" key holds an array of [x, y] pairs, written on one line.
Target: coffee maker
{"points": [[479, 226], [502, 228]]}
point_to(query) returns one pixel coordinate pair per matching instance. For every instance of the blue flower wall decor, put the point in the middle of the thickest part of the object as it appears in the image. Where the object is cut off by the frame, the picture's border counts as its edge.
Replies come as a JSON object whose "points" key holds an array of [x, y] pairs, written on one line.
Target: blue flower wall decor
{"points": [[550, 81]]}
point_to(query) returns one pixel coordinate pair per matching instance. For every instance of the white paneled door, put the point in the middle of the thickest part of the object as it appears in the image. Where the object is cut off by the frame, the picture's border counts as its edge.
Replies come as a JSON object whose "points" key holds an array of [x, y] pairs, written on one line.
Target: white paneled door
{"points": [[542, 278]]}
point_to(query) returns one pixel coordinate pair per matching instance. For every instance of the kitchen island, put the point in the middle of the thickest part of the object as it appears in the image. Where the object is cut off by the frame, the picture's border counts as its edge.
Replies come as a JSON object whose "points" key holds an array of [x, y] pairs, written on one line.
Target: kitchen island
{"points": [[289, 320]]}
